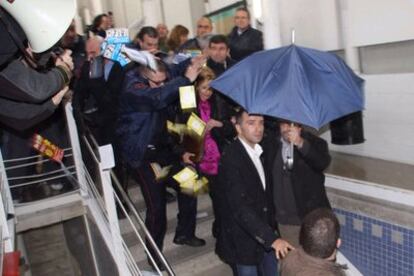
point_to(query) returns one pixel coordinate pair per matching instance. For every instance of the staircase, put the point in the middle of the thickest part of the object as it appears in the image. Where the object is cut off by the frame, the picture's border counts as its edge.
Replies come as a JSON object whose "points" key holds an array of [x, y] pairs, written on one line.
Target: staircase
{"points": [[185, 260]]}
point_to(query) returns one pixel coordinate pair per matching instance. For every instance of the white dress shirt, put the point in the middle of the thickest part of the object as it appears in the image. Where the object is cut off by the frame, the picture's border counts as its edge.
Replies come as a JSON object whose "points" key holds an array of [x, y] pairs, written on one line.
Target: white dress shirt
{"points": [[254, 154]]}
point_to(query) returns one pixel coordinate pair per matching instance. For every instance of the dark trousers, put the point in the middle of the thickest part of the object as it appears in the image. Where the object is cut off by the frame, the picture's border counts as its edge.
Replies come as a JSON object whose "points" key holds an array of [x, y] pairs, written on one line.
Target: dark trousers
{"points": [[216, 197], [267, 267], [156, 218]]}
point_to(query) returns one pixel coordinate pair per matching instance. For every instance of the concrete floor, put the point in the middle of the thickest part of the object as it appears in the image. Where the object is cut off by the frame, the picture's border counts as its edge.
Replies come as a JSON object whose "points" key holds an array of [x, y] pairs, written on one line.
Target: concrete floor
{"points": [[372, 170]]}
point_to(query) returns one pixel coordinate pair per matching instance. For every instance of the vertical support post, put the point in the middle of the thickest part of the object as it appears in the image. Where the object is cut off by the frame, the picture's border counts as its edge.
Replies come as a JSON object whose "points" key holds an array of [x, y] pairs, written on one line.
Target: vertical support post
{"points": [[96, 7], [76, 150], [271, 24], [106, 163], [6, 207], [345, 19]]}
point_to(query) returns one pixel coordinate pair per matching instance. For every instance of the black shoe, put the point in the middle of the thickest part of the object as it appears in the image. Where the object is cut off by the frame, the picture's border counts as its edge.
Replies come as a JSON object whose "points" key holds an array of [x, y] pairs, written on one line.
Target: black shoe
{"points": [[193, 241]]}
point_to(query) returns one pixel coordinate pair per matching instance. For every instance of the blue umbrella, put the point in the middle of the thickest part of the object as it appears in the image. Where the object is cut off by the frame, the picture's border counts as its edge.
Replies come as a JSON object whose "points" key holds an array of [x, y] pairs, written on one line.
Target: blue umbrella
{"points": [[294, 83]]}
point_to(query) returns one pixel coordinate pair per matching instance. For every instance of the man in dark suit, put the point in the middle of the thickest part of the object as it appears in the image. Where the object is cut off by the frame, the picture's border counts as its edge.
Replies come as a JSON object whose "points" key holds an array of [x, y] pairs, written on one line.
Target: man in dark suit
{"points": [[298, 187], [248, 240], [243, 39]]}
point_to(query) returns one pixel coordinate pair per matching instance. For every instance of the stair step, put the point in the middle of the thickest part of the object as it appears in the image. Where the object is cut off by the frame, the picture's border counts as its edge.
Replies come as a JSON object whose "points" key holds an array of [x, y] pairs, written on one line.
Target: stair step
{"points": [[208, 264], [131, 239], [173, 251], [185, 260], [203, 204]]}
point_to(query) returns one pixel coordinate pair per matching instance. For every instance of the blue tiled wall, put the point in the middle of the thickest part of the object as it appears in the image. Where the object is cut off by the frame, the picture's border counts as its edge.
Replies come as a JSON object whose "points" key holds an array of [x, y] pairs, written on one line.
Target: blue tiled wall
{"points": [[376, 247]]}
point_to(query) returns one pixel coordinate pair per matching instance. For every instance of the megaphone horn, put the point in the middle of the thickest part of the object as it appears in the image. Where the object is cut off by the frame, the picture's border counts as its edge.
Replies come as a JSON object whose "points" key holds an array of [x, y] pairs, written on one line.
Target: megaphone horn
{"points": [[44, 22]]}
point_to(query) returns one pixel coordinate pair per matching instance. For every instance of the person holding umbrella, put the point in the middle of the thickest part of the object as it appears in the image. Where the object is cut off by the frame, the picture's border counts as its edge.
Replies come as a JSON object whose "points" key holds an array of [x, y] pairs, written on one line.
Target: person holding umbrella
{"points": [[298, 186]]}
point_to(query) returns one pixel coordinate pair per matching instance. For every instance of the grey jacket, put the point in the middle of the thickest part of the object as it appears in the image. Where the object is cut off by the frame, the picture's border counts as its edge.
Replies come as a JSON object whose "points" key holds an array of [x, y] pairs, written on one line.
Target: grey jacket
{"points": [[19, 82], [25, 94]]}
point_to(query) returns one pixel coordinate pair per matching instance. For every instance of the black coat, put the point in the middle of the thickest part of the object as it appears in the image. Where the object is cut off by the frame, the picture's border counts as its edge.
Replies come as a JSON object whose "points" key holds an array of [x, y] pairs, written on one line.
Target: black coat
{"points": [[100, 95], [248, 227], [241, 46], [308, 179], [219, 68]]}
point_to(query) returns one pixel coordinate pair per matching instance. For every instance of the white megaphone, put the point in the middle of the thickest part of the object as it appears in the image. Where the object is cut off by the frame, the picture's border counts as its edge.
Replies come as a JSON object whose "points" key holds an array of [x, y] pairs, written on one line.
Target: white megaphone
{"points": [[44, 22]]}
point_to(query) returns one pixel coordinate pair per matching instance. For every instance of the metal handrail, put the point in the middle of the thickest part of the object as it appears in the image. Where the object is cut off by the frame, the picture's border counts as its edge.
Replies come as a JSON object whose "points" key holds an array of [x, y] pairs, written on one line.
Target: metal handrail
{"points": [[138, 218], [6, 212], [141, 223]]}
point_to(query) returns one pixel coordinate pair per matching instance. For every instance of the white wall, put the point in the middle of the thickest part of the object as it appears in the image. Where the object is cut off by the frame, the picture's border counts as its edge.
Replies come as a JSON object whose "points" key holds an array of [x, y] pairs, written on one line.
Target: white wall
{"points": [[315, 23], [381, 21], [388, 119], [152, 12], [178, 12]]}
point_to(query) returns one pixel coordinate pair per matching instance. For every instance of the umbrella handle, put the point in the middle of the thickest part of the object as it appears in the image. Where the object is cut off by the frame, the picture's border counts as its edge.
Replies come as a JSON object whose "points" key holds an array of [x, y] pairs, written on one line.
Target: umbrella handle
{"points": [[290, 161]]}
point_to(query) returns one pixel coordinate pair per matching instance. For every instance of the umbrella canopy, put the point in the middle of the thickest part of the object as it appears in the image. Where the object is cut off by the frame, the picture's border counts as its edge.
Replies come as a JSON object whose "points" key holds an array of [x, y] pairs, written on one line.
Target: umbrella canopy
{"points": [[295, 83]]}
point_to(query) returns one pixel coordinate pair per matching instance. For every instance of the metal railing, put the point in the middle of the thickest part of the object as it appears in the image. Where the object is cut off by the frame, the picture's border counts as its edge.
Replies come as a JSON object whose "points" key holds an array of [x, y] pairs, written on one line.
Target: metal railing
{"points": [[102, 199], [94, 181], [7, 236]]}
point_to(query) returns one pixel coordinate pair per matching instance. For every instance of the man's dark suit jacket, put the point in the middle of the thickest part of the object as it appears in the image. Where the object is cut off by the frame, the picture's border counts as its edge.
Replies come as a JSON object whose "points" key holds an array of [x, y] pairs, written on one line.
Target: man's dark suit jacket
{"points": [[248, 227], [308, 179]]}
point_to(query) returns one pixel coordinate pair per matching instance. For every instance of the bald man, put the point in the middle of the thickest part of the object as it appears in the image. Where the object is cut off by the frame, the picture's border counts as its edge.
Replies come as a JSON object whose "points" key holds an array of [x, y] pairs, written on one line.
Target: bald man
{"points": [[163, 31]]}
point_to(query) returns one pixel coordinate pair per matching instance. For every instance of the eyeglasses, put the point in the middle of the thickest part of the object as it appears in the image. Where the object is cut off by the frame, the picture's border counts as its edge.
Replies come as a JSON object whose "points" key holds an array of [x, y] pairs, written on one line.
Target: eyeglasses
{"points": [[156, 83], [203, 26]]}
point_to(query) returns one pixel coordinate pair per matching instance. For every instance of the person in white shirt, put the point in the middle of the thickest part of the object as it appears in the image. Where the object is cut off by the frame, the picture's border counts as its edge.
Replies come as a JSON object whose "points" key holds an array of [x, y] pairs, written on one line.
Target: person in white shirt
{"points": [[248, 239]]}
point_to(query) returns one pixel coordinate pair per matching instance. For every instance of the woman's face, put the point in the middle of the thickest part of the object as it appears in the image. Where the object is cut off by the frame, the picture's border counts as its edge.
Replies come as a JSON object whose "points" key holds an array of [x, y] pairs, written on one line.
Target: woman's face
{"points": [[204, 91], [183, 39]]}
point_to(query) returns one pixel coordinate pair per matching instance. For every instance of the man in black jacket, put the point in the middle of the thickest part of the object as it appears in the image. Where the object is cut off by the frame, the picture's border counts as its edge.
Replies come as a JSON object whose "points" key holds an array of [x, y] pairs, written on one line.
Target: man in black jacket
{"points": [[298, 188], [248, 239], [218, 55], [244, 40]]}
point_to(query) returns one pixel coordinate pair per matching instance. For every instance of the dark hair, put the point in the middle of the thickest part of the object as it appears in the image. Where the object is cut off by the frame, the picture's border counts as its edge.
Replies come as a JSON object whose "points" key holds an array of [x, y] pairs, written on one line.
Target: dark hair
{"points": [[319, 233], [147, 30], [216, 39], [161, 67], [239, 114], [174, 39], [245, 10], [97, 21]]}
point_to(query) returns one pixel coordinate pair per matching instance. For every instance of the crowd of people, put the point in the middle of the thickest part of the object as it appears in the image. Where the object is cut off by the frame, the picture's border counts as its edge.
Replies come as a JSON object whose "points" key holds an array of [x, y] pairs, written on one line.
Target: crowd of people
{"points": [[259, 199]]}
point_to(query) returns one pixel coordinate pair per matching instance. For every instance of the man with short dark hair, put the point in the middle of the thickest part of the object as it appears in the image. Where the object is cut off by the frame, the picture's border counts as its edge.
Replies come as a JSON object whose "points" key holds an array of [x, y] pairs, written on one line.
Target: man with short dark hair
{"points": [[248, 239], [219, 61], [147, 39], [319, 238], [218, 52], [243, 39]]}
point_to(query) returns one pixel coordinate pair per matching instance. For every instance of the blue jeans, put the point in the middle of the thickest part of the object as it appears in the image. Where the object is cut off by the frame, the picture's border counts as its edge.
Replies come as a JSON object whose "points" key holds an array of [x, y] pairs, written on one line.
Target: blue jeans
{"points": [[268, 267]]}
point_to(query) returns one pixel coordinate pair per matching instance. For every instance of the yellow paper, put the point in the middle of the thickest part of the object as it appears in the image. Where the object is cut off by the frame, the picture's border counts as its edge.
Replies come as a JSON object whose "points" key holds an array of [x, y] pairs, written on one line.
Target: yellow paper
{"points": [[160, 172], [179, 129], [195, 186], [187, 97], [197, 125], [185, 175]]}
